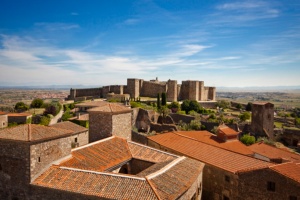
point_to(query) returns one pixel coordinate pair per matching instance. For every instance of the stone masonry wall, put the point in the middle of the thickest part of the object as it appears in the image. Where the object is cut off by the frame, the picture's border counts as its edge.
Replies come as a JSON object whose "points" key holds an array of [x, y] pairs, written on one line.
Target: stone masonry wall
{"points": [[100, 126], [133, 87], [3, 121], [88, 92], [195, 190], [82, 139], [194, 90], [42, 154], [254, 184], [184, 90], [212, 93], [14, 169], [201, 91], [172, 91], [151, 89], [121, 125], [206, 89]]}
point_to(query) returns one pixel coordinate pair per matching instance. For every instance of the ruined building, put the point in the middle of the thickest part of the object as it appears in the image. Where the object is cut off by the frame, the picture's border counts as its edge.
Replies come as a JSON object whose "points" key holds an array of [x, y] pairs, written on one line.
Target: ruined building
{"points": [[192, 90]]}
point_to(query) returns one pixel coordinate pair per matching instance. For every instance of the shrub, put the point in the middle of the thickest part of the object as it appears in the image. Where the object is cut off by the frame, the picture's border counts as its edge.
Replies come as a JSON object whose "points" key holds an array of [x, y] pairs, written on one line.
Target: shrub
{"points": [[21, 106], [247, 139], [45, 121]]}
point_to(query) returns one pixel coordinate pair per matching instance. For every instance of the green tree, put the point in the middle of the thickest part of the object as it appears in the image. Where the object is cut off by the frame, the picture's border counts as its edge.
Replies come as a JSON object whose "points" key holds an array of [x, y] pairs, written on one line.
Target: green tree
{"points": [[194, 105], [163, 99], [174, 106], [185, 106], [223, 104], [239, 106], [37, 103], [158, 101], [245, 116], [164, 111], [247, 139], [21, 106], [249, 106]]}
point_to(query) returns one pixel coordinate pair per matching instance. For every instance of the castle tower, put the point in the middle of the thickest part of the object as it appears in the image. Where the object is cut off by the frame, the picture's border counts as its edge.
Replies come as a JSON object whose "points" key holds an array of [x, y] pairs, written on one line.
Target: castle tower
{"points": [[201, 91], [212, 93], [133, 87], [172, 90], [262, 123], [108, 120]]}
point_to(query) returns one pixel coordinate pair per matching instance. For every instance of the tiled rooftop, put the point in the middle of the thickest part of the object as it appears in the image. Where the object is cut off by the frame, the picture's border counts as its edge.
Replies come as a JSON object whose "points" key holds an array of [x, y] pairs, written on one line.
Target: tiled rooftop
{"points": [[19, 114], [2, 113], [100, 155], [111, 108], [168, 186], [291, 170], [32, 132], [91, 104], [70, 126], [209, 138], [103, 185], [274, 153], [169, 178], [141, 152], [221, 158], [227, 131]]}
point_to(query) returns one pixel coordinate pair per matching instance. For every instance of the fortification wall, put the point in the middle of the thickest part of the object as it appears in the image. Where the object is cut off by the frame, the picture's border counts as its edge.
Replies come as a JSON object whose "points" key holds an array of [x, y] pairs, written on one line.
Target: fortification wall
{"points": [[212, 93], [133, 87], [96, 92], [206, 89], [172, 90], [184, 90], [201, 91], [151, 89]]}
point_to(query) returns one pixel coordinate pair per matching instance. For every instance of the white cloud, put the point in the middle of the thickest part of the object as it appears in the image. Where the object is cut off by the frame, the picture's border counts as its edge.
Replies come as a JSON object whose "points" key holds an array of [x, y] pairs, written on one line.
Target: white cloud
{"points": [[56, 26]]}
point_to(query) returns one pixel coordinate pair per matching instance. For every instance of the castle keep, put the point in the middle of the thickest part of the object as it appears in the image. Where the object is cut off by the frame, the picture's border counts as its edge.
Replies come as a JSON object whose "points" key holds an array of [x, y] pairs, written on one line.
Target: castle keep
{"points": [[192, 90]]}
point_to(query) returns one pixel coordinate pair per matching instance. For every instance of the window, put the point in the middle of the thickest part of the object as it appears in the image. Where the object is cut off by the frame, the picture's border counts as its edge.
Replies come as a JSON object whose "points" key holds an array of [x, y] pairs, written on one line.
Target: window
{"points": [[227, 178], [293, 198], [39, 159], [271, 186], [76, 139]]}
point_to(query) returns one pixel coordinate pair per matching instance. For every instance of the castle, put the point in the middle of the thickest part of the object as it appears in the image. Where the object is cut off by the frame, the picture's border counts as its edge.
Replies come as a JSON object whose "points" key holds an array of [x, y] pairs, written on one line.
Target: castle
{"points": [[192, 90]]}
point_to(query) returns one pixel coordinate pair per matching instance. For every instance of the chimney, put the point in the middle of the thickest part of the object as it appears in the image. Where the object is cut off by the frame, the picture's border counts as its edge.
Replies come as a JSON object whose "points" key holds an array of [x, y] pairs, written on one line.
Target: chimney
{"points": [[29, 132]]}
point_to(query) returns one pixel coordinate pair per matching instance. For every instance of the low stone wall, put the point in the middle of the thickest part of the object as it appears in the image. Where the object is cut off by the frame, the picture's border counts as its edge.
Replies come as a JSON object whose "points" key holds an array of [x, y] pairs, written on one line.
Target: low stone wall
{"points": [[184, 118], [159, 128], [208, 104], [139, 137]]}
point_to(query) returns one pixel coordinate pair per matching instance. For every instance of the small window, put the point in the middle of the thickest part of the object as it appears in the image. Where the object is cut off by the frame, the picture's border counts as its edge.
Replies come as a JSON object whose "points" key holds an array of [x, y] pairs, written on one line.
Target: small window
{"points": [[293, 198], [227, 178], [39, 159], [76, 139], [0, 167], [271, 186]]}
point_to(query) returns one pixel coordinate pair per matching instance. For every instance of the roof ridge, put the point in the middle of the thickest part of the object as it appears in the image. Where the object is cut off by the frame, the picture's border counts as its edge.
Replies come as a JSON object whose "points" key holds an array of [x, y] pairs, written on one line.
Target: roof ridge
{"points": [[103, 173], [166, 168], [93, 143]]}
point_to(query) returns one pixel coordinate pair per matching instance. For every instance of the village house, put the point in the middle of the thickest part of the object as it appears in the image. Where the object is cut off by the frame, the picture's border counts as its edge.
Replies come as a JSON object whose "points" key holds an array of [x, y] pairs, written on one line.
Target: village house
{"points": [[229, 174], [45, 167]]}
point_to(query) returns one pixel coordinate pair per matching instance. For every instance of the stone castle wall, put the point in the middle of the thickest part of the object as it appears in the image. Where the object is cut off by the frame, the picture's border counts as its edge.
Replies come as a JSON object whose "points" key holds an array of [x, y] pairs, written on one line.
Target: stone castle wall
{"points": [[151, 89], [192, 90]]}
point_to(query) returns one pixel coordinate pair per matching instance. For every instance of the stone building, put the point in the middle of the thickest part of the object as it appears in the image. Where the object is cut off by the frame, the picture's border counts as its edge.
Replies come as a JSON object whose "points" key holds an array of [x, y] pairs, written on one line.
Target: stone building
{"points": [[36, 162], [20, 118], [108, 120], [231, 175], [3, 120], [262, 122], [192, 90], [80, 135]]}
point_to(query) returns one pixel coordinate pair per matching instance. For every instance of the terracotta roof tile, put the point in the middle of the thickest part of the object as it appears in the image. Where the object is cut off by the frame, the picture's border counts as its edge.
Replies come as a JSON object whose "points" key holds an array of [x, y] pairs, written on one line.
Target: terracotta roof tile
{"points": [[32, 132], [221, 158], [19, 114], [291, 170], [227, 131], [69, 126], [111, 108], [3, 113], [91, 104], [105, 185], [274, 153], [100, 155], [168, 186], [209, 138], [149, 154]]}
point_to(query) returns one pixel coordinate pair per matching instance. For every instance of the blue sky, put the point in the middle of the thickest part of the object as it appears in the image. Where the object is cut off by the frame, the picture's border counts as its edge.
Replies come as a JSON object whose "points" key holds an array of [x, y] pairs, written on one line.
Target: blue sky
{"points": [[223, 43]]}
